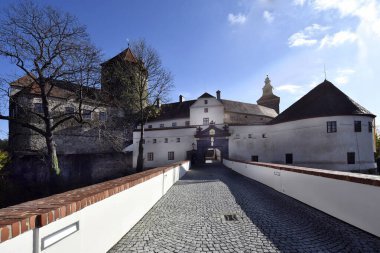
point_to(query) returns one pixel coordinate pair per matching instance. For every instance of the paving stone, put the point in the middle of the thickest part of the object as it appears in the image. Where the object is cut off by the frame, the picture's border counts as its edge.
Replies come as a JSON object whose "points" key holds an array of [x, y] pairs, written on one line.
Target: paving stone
{"points": [[190, 218]]}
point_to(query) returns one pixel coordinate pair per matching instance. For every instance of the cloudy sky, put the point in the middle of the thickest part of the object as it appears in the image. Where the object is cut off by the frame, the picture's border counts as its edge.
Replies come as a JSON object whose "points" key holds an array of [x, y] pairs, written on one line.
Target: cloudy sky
{"points": [[232, 45]]}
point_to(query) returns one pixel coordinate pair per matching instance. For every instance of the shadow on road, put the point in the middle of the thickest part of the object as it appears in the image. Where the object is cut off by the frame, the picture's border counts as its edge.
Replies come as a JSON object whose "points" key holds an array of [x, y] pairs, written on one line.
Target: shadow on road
{"points": [[289, 224]]}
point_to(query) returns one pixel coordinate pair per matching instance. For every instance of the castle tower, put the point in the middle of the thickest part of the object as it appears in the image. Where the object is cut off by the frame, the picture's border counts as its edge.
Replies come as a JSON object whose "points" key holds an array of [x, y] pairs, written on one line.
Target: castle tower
{"points": [[268, 99]]}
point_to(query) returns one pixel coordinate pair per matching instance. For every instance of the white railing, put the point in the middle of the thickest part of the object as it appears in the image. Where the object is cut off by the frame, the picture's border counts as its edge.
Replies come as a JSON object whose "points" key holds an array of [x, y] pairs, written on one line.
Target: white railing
{"points": [[98, 226], [353, 198]]}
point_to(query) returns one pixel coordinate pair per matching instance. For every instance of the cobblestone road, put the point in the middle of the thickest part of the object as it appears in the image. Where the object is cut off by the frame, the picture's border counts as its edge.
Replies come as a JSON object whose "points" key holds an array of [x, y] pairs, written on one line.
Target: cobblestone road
{"points": [[190, 218]]}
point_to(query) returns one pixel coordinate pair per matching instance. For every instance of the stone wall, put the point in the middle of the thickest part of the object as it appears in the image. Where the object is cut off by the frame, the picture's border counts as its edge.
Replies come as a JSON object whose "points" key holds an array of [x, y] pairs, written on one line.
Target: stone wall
{"points": [[76, 169]]}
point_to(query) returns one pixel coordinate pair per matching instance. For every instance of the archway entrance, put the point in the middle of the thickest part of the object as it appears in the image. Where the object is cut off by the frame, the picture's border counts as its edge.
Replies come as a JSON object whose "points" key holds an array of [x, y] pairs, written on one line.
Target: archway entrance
{"points": [[212, 144], [213, 155]]}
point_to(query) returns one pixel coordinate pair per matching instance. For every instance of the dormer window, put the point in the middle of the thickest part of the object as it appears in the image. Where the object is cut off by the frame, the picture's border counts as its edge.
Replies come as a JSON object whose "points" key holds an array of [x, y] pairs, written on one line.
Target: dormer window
{"points": [[206, 101]]}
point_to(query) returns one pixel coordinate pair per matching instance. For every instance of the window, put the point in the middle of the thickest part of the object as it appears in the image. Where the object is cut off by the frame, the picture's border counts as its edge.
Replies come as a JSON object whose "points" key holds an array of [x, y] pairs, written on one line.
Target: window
{"points": [[205, 121], [102, 116], [150, 156], [350, 157], [255, 158], [166, 140], [178, 139], [250, 136], [38, 108], [237, 136], [162, 125], [86, 114], [206, 101], [358, 126], [154, 140], [171, 155], [205, 110], [369, 126], [187, 123], [69, 110], [289, 158], [143, 141], [174, 124], [331, 126]]}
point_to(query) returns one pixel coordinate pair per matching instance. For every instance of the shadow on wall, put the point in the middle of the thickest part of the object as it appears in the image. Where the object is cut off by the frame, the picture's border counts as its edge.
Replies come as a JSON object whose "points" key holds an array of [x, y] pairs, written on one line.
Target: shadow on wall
{"points": [[289, 224], [26, 178]]}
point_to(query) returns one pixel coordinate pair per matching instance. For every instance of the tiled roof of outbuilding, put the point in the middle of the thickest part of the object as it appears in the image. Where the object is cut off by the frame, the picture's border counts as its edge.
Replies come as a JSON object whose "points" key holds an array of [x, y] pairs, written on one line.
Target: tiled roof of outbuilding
{"points": [[322, 101], [206, 95], [246, 108], [175, 110]]}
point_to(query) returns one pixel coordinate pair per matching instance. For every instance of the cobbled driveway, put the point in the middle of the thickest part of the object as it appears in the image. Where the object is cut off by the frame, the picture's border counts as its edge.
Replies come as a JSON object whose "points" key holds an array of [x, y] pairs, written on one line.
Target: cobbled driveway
{"points": [[190, 218]]}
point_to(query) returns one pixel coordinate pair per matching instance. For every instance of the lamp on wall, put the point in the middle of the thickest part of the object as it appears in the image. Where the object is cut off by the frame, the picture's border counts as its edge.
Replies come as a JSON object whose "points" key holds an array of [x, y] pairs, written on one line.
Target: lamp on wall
{"points": [[193, 145]]}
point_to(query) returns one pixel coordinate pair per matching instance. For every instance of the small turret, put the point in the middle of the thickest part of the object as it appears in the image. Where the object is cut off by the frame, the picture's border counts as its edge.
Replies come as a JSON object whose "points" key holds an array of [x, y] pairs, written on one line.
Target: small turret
{"points": [[268, 99]]}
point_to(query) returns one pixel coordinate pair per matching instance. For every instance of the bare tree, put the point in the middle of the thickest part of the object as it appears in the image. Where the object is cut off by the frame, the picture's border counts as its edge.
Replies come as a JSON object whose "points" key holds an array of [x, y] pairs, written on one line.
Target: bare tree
{"points": [[140, 81], [51, 48]]}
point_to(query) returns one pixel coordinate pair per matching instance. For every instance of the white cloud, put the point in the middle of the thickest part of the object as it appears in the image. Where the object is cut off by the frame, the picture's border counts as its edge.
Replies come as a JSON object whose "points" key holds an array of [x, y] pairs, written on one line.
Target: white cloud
{"points": [[314, 28], [346, 71], [304, 37], [290, 88], [299, 2], [345, 7], [300, 39], [341, 80], [343, 76], [237, 19], [268, 16], [338, 39], [368, 11]]}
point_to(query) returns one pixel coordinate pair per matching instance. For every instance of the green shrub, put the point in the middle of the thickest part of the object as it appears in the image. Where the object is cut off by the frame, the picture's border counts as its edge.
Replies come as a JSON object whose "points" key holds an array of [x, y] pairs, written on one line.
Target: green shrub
{"points": [[4, 158]]}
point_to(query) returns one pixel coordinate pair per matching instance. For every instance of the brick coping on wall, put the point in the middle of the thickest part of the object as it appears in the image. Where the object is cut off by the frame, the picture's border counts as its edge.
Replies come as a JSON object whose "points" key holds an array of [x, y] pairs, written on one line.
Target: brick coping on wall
{"points": [[17, 219], [339, 175]]}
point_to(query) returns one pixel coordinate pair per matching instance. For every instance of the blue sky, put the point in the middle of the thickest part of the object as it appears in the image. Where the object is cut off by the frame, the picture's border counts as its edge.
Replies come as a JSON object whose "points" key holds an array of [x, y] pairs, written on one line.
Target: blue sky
{"points": [[232, 45]]}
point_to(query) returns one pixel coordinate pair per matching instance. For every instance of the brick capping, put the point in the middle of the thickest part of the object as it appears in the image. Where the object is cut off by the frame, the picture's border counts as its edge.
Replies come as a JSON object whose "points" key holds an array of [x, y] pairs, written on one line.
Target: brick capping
{"points": [[17, 219], [339, 175]]}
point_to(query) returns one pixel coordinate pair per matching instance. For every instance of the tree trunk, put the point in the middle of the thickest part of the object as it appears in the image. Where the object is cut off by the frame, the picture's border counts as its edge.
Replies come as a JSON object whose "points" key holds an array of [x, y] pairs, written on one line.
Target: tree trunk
{"points": [[140, 157], [52, 157]]}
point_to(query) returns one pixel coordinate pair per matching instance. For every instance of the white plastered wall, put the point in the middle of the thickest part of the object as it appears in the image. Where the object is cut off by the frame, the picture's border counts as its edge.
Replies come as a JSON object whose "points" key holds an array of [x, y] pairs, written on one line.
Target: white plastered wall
{"points": [[215, 111], [308, 141]]}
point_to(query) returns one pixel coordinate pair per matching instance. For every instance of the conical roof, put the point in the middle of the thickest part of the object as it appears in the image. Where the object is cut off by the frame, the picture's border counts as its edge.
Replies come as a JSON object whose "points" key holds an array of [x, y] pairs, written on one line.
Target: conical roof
{"points": [[126, 55], [322, 101]]}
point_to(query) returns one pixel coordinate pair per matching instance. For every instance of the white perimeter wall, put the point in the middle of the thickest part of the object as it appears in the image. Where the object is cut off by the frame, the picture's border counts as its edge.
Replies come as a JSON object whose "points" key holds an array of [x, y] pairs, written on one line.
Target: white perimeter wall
{"points": [[309, 143], [102, 224], [354, 203]]}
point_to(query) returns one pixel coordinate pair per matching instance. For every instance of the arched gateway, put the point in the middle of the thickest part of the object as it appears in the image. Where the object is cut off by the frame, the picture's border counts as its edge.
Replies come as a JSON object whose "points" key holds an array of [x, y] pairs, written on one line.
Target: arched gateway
{"points": [[212, 143]]}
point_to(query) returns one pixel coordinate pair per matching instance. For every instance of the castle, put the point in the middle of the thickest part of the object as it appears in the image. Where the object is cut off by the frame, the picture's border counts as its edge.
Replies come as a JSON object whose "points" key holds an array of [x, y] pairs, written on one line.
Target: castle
{"points": [[324, 129]]}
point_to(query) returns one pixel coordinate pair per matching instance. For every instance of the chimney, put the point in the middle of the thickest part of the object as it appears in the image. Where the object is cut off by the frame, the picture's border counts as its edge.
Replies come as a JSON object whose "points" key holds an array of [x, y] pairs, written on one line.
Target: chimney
{"points": [[218, 94], [158, 103], [181, 98]]}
